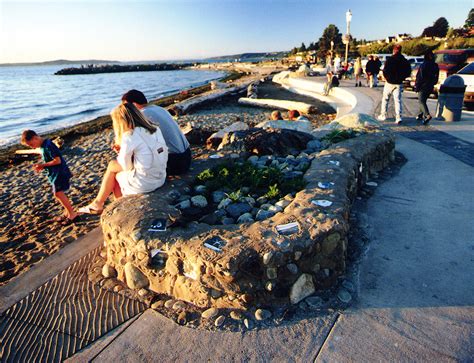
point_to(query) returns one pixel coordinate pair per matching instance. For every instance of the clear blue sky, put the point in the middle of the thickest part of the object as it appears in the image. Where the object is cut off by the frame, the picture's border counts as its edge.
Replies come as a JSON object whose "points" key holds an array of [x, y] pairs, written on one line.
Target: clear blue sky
{"points": [[178, 29]]}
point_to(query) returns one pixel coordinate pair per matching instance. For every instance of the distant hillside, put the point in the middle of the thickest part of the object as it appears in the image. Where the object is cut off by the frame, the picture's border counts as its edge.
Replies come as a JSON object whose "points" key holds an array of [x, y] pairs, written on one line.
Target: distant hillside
{"points": [[59, 61], [244, 56]]}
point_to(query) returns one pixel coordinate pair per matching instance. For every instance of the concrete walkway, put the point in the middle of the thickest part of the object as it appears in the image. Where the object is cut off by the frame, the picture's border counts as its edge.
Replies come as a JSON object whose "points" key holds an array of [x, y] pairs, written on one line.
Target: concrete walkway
{"points": [[415, 296], [415, 293]]}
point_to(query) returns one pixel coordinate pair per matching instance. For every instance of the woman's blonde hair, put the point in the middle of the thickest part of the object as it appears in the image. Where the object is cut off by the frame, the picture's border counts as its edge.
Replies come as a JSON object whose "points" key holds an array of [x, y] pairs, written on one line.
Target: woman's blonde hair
{"points": [[126, 117]]}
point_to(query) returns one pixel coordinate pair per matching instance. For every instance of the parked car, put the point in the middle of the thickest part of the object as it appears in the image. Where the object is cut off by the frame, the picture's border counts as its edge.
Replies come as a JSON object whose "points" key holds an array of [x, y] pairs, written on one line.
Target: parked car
{"points": [[450, 61], [467, 74], [409, 82]]}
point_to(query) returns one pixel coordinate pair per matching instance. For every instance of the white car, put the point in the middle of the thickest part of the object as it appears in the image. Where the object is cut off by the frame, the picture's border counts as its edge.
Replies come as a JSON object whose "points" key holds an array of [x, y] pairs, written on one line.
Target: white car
{"points": [[467, 74]]}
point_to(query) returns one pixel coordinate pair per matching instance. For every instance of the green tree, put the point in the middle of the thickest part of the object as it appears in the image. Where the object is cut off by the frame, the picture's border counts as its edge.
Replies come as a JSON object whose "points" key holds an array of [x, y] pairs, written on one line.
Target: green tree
{"points": [[470, 19], [441, 27], [438, 29], [302, 48], [294, 51], [330, 33]]}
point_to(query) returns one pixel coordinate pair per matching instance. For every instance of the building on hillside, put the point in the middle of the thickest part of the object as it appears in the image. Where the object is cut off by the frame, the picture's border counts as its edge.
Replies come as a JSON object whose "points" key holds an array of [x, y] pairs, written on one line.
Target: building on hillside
{"points": [[390, 39], [402, 37]]}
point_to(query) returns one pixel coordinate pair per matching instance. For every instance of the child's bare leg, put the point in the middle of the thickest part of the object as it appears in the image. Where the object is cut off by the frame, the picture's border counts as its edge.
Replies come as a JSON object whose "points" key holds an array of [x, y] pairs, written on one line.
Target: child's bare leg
{"points": [[66, 203], [108, 182]]}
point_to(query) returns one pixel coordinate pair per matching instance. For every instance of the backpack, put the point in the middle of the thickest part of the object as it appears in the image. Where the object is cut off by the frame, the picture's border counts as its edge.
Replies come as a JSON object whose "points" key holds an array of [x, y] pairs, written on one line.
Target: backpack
{"points": [[335, 81]]}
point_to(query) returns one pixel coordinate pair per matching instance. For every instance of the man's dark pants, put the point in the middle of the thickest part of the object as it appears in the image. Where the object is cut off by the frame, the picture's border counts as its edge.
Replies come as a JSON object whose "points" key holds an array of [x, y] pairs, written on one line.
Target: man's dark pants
{"points": [[178, 163]]}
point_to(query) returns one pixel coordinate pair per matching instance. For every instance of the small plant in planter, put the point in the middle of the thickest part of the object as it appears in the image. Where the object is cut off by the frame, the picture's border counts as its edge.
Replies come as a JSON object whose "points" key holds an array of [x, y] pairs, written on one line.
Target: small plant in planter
{"points": [[249, 187], [336, 136]]}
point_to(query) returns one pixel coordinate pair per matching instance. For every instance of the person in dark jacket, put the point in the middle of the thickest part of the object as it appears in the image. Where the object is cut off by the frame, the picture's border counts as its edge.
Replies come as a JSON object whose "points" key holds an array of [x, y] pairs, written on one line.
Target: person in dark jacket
{"points": [[370, 70], [377, 66], [396, 69], [426, 78]]}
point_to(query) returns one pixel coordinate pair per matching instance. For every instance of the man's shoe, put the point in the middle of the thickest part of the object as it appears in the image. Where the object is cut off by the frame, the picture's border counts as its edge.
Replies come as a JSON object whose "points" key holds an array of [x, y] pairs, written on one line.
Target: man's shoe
{"points": [[419, 117], [381, 118], [427, 120], [398, 121]]}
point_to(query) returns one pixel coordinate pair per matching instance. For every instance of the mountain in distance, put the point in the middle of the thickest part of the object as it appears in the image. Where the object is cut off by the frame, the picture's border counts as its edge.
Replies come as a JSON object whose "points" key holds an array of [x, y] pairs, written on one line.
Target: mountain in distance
{"points": [[60, 61], [244, 56]]}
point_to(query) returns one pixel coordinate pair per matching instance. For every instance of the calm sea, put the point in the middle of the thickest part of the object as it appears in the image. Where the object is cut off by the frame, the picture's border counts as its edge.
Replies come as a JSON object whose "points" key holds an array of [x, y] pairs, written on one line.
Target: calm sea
{"points": [[34, 98]]}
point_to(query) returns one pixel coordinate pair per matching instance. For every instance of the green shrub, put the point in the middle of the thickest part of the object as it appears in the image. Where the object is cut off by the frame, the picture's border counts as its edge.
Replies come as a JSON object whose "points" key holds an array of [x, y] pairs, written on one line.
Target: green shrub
{"points": [[336, 136]]}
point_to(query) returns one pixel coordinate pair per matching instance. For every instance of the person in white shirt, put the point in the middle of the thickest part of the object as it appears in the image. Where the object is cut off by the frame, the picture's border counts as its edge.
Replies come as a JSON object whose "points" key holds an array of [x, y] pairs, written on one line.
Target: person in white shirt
{"points": [[179, 158], [140, 166]]}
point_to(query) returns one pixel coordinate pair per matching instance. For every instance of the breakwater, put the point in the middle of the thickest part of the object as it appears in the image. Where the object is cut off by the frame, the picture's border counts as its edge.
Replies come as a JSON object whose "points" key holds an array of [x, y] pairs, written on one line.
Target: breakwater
{"points": [[116, 68]]}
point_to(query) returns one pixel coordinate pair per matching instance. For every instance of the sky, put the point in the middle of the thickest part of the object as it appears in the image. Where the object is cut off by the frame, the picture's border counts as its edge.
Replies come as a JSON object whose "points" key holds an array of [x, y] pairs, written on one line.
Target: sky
{"points": [[128, 30]]}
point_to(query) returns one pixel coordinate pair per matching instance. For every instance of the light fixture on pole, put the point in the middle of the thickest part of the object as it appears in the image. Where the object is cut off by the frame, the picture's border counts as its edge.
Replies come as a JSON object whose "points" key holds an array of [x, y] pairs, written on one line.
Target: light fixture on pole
{"points": [[347, 37], [332, 46]]}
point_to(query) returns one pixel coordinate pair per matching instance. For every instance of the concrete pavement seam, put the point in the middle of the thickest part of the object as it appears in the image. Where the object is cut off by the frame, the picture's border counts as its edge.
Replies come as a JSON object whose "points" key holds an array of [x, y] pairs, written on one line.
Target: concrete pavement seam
{"points": [[327, 337], [115, 337]]}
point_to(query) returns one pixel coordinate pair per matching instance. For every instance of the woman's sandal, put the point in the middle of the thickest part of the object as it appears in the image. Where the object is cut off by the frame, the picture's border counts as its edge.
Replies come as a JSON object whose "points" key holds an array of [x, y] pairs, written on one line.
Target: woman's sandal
{"points": [[90, 209]]}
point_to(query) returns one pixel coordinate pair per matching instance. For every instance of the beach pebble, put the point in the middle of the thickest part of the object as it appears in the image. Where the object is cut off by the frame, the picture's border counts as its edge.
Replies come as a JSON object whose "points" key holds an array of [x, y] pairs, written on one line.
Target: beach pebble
{"points": [[245, 218], [199, 201], [184, 204], [217, 196], [314, 302], [108, 271], [263, 214], [210, 313], [236, 315], [183, 318], [249, 324], [179, 305], [262, 314], [157, 304], [220, 320], [143, 292], [169, 303], [200, 189], [344, 296]]}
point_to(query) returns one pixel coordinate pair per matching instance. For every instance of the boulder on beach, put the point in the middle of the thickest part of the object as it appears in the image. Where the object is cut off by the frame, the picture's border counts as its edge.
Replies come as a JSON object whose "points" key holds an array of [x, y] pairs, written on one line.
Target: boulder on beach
{"points": [[216, 138], [353, 121], [259, 141], [196, 135]]}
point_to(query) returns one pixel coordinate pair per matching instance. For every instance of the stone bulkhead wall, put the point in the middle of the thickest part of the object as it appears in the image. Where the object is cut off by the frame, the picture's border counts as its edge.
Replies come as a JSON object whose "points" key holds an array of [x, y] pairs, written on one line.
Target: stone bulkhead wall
{"points": [[237, 266]]}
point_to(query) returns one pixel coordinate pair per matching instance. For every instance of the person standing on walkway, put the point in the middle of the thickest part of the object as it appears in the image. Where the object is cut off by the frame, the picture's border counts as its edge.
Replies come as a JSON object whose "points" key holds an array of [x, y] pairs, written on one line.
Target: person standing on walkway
{"points": [[396, 69], [370, 70], [377, 66], [426, 78], [179, 158], [358, 71]]}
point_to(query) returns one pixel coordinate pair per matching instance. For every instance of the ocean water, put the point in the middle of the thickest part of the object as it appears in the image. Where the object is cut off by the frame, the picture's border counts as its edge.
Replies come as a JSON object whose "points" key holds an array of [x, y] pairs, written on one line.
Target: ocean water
{"points": [[34, 98]]}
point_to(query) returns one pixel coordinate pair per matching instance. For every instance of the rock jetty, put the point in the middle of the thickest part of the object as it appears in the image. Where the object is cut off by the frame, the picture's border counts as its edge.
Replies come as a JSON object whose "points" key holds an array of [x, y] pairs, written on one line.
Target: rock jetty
{"points": [[116, 68]]}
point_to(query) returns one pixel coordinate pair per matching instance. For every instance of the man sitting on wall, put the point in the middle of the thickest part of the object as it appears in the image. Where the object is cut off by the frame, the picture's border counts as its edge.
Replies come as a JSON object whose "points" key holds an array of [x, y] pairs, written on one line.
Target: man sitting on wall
{"points": [[179, 157]]}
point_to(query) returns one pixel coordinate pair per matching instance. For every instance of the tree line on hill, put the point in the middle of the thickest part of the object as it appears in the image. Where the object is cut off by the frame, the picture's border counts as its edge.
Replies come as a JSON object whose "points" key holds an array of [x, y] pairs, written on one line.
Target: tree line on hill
{"points": [[429, 39]]}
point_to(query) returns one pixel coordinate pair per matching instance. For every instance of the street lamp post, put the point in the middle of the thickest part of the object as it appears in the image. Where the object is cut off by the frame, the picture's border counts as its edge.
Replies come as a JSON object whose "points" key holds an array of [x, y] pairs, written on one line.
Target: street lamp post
{"points": [[347, 38], [332, 46]]}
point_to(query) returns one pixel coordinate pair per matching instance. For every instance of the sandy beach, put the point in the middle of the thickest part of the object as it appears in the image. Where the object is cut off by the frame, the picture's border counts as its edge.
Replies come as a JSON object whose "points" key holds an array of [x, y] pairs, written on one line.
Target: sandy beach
{"points": [[28, 233]]}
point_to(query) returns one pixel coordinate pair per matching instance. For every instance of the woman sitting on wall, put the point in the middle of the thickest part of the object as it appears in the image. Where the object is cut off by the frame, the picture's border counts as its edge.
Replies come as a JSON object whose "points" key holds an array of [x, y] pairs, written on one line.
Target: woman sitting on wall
{"points": [[140, 166]]}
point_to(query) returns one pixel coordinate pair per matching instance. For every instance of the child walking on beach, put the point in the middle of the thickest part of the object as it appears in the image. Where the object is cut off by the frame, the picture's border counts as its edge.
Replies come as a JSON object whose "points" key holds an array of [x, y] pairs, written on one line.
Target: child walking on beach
{"points": [[56, 169]]}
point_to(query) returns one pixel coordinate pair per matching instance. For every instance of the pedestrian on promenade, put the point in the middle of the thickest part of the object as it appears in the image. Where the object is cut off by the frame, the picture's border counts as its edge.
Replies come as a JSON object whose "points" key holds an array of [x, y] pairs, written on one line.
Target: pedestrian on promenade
{"points": [[57, 170], [426, 78], [179, 158], [378, 65], [140, 166], [332, 81], [396, 69], [370, 70], [358, 71]]}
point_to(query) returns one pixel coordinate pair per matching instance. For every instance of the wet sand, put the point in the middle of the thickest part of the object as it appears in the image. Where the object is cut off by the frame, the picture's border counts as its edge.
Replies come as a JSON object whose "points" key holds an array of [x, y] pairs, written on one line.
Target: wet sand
{"points": [[28, 233]]}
